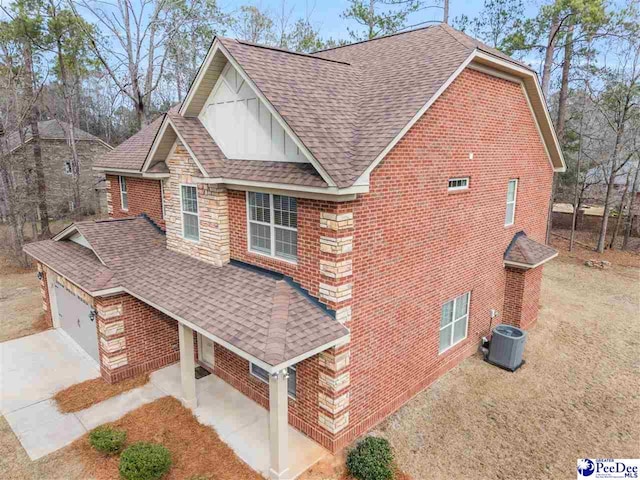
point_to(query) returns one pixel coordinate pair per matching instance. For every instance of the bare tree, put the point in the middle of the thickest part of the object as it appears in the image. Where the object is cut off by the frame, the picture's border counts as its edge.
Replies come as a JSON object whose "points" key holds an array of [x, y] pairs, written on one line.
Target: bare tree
{"points": [[629, 218]]}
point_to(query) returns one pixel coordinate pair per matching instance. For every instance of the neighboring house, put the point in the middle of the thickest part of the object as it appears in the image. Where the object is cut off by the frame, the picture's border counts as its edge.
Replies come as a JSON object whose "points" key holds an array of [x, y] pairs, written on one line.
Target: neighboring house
{"points": [[598, 177], [335, 230], [56, 158]]}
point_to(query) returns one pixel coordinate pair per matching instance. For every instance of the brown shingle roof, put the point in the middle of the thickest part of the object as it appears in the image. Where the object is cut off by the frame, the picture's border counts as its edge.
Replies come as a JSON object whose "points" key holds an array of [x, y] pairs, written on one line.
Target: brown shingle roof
{"points": [[49, 130], [131, 154], [265, 315], [524, 251]]}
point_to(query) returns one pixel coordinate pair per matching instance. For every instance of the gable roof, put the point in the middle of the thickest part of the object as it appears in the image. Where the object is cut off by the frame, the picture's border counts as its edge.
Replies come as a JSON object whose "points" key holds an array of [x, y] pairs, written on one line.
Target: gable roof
{"points": [[261, 313], [50, 130], [347, 107], [524, 252]]}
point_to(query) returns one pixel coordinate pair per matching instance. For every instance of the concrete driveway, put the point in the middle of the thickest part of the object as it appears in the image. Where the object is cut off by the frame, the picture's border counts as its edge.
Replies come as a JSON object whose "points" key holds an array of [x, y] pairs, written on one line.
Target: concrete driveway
{"points": [[32, 370]]}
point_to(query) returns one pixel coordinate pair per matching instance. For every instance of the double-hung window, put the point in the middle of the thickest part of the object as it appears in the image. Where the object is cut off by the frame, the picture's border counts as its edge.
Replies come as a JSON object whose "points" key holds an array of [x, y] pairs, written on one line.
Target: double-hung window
{"points": [[263, 375], [454, 320], [189, 206], [512, 191], [273, 225], [124, 196]]}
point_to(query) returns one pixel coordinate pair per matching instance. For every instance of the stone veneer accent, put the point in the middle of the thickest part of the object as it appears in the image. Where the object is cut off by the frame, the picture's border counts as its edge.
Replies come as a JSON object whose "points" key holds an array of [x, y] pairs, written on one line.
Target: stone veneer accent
{"points": [[44, 292], [333, 362], [110, 329], [110, 311], [213, 246], [343, 315], [334, 384], [335, 293], [333, 425], [336, 245], [333, 269], [333, 221], [333, 405], [115, 362], [115, 345]]}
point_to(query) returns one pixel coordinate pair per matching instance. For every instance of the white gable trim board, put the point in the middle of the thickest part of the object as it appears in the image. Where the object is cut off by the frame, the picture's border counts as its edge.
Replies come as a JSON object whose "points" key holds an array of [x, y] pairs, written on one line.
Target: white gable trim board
{"points": [[72, 234]]}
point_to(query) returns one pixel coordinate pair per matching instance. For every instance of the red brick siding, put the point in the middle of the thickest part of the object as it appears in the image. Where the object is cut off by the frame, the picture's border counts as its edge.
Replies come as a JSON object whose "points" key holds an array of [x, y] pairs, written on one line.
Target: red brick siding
{"points": [[522, 296], [143, 196], [151, 338], [416, 246]]}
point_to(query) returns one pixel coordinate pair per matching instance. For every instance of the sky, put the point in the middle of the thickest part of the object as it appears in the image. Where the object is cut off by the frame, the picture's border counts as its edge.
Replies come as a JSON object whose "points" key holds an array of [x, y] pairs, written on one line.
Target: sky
{"points": [[326, 14]]}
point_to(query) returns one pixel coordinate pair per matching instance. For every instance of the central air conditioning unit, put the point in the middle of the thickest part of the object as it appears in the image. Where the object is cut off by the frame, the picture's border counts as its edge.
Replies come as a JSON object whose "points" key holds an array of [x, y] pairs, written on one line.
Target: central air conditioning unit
{"points": [[506, 347]]}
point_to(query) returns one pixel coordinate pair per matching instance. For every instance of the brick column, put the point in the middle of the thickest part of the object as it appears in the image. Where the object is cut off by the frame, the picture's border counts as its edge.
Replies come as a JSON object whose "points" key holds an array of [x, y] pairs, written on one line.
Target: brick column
{"points": [[44, 291], [521, 296], [336, 290]]}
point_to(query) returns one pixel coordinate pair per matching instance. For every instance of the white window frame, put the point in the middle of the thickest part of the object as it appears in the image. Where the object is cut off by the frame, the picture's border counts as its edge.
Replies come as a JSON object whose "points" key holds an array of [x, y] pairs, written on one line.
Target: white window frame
{"points": [[515, 197], [182, 212], [293, 395], [453, 322], [124, 193], [272, 229], [456, 189]]}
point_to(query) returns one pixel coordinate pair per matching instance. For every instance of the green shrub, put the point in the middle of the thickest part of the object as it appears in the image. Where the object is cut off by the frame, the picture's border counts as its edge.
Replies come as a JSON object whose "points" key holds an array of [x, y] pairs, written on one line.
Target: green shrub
{"points": [[107, 440], [371, 459], [144, 461]]}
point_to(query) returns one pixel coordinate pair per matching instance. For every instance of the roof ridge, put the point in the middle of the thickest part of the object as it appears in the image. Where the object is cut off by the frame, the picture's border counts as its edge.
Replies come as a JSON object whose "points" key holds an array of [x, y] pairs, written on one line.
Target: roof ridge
{"points": [[277, 334], [395, 34], [283, 50]]}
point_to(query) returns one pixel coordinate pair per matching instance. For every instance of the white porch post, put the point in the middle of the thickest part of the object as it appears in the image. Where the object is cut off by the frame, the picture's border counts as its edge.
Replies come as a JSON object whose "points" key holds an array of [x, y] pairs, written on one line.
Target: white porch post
{"points": [[278, 425], [187, 366]]}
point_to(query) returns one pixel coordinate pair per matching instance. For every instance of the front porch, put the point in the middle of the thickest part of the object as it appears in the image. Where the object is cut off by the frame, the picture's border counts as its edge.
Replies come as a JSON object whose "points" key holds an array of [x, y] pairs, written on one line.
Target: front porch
{"points": [[240, 422]]}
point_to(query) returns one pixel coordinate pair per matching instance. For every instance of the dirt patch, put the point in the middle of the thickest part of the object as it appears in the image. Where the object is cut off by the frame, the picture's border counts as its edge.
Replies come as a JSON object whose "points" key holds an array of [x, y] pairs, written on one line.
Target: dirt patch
{"points": [[85, 394], [20, 302], [576, 397], [585, 249], [195, 449]]}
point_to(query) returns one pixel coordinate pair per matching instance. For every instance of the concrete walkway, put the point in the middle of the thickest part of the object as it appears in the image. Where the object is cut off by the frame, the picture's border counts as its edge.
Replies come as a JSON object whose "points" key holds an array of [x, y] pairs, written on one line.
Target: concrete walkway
{"points": [[34, 368]]}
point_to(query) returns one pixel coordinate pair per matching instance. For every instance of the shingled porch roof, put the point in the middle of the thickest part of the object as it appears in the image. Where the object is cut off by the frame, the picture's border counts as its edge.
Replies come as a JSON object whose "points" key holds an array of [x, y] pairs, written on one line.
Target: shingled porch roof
{"points": [[263, 315], [524, 252]]}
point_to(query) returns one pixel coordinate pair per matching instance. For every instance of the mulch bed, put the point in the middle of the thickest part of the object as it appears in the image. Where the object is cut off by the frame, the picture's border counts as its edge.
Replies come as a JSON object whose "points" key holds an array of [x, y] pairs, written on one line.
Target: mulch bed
{"points": [[196, 450], [83, 395]]}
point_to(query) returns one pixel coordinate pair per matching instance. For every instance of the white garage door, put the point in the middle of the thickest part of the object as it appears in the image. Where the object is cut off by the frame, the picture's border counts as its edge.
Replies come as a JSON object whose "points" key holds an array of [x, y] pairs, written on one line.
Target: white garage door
{"points": [[75, 319]]}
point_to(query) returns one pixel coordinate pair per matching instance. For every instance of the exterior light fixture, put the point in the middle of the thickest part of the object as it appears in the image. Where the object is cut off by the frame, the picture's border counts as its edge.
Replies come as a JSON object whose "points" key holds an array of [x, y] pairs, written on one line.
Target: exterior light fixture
{"points": [[40, 275], [92, 314]]}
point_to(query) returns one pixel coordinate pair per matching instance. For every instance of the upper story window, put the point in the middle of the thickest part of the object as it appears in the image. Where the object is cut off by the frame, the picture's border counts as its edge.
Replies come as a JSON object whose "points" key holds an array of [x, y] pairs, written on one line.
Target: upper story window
{"points": [[458, 184], [189, 207], [273, 225], [67, 167], [124, 196], [454, 320], [512, 192]]}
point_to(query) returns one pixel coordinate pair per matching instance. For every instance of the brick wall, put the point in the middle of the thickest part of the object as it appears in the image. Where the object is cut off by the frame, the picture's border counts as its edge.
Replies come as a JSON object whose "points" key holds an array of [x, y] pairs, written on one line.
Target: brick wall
{"points": [[143, 197], [522, 296], [133, 337], [416, 246]]}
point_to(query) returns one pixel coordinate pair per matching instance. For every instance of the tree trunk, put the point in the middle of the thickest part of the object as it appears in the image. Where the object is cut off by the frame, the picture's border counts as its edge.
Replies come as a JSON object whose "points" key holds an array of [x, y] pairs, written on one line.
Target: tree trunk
{"points": [[548, 56], [71, 120], [614, 235], [445, 16], [372, 23], [629, 219], [34, 116], [564, 86]]}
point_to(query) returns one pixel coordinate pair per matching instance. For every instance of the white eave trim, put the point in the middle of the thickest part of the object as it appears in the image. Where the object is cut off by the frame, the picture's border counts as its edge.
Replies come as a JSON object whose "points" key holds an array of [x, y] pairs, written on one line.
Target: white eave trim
{"points": [[523, 72], [218, 46], [320, 193], [527, 266], [123, 172]]}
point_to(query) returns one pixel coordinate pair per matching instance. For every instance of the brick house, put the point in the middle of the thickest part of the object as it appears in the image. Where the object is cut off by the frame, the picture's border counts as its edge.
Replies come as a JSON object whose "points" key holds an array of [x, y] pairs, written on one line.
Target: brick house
{"points": [[334, 230], [57, 157]]}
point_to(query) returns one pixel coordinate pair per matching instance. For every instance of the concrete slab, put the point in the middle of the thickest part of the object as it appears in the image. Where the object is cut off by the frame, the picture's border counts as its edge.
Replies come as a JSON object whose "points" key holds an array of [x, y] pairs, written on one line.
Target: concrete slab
{"points": [[114, 408], [34, 368], [42, 429]]}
